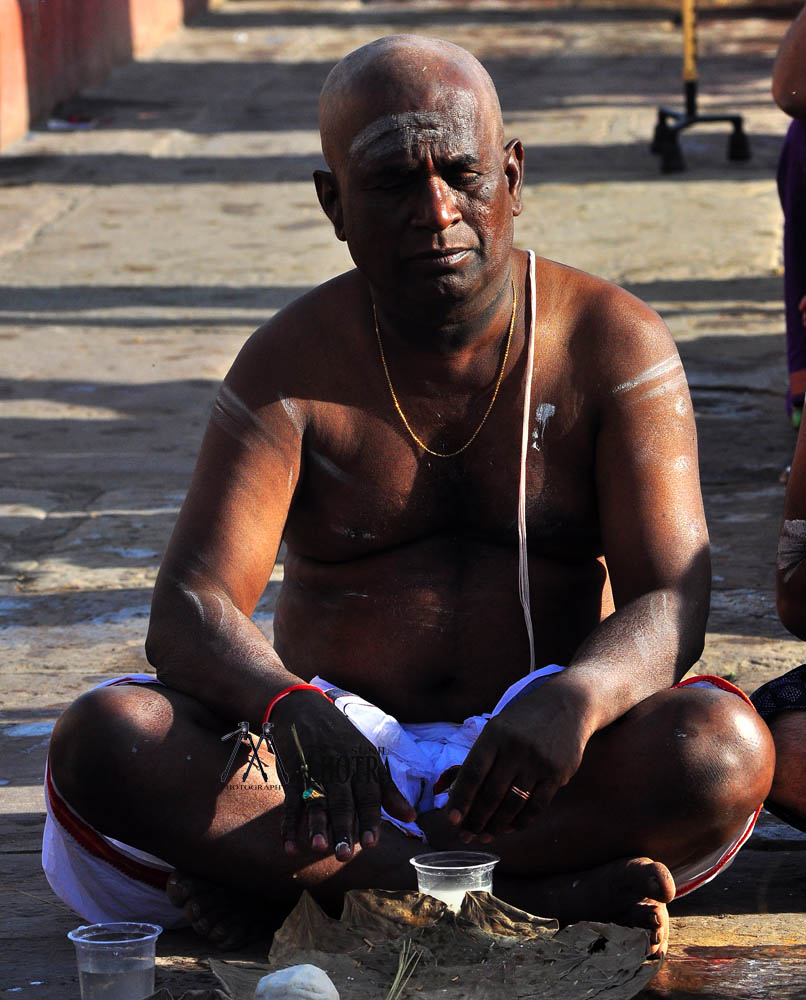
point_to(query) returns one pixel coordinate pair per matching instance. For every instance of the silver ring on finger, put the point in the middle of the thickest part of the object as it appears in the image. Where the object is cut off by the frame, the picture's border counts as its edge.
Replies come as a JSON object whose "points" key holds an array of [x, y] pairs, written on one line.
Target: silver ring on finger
{"points": [[520, 793]]}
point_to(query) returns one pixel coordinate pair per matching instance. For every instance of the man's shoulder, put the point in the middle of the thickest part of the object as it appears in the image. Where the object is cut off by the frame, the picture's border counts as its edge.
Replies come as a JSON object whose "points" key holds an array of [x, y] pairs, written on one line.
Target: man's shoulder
{"points": [[599, 312], [607, 331], [582, 296], [315, 316], [308, 338]]}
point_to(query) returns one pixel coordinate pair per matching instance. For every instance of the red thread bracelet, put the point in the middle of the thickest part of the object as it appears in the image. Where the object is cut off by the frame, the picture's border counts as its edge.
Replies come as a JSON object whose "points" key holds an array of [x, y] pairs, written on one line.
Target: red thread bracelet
{"points": [[288, 690]]}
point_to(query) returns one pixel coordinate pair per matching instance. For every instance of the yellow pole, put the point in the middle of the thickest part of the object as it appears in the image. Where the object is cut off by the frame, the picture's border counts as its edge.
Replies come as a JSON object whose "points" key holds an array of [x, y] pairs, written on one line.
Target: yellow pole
{"points": [[689, 41]]}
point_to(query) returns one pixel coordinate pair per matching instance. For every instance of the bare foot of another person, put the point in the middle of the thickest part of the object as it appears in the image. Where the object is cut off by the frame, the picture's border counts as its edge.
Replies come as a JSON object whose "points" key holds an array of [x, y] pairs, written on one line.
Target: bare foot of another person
{"points": [[632, 892], [226, 918]]}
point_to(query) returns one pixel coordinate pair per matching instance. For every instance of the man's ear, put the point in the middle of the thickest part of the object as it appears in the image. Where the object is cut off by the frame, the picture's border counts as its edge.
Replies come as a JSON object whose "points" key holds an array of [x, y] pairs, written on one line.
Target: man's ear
{"points": [[513, 168], [327, 191]]}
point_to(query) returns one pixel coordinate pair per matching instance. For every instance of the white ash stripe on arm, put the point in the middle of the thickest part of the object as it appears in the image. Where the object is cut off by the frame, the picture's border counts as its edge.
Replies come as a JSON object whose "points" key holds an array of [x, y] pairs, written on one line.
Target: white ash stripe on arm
{"points": [[293, 412], [668, 366], [677, 380], [234, 417]]}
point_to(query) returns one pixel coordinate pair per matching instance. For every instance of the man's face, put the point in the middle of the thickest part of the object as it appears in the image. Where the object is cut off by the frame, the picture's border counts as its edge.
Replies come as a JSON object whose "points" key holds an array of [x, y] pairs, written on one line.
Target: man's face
{"points": [[426, 197]]}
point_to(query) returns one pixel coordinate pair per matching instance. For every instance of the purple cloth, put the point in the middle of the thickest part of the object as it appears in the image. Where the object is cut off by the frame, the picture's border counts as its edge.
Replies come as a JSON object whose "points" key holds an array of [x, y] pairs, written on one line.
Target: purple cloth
{"points": [[792, 191], [782, 694]]}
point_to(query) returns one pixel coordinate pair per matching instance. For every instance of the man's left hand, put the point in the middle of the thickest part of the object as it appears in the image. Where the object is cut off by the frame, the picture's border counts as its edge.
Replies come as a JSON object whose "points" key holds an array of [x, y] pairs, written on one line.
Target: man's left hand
{"points": [[522, 757]]}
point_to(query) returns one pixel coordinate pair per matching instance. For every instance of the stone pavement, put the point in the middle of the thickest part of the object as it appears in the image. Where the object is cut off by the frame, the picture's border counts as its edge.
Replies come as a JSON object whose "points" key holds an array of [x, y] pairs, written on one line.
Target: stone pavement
{"points": [[136, 257]]}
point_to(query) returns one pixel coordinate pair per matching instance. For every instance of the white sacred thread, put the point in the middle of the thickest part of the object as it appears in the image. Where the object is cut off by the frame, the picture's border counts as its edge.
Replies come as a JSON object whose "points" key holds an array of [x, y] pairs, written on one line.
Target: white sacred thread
{"points": [[523, 565]]}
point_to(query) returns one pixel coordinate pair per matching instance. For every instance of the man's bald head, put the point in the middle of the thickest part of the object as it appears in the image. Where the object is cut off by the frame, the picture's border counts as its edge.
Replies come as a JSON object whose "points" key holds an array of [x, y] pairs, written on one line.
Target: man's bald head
{"points": [[399, 77]]}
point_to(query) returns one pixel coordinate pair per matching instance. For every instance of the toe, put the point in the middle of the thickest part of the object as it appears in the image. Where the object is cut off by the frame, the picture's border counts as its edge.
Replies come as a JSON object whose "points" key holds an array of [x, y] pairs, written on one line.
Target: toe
{"points": [[236, 933], [211, 920], [652, 917], [177, 889], [229, 929], [651, 879], [204, 906]]}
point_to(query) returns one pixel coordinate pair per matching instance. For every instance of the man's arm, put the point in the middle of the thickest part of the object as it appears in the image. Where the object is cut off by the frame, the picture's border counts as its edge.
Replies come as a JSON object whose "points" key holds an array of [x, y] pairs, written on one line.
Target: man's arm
{"points": [[652, 523], [790, 577], [789, 71], [221, 553], [201, 638], [656, 548]]}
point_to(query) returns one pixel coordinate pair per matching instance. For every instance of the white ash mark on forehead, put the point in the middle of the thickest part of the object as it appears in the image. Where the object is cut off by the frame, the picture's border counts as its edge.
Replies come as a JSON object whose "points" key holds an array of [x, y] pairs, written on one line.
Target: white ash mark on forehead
{"points": [[398, 128], [791, 548], [665, 367], [543, 413], [405, 130]]}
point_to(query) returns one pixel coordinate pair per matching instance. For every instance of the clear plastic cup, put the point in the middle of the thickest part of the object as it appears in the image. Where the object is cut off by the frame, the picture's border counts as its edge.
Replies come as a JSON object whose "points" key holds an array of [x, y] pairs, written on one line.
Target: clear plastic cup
{"points": [[115, 961], [448, 875]]}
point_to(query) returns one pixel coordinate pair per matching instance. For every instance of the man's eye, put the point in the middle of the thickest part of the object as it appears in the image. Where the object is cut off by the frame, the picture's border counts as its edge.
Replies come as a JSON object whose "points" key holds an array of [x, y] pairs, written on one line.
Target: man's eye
{"points": [[392, 182], [463, 178]]}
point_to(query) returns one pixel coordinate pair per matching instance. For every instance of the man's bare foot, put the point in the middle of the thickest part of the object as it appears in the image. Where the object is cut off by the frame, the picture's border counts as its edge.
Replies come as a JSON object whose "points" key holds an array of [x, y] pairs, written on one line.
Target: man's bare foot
{"points": [[632, 892], [225, 918]]}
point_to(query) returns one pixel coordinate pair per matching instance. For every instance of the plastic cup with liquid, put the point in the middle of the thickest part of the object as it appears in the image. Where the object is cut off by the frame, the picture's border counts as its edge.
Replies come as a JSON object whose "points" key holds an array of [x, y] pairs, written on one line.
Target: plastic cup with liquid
{"points": [[115, 961], [448, 875]]}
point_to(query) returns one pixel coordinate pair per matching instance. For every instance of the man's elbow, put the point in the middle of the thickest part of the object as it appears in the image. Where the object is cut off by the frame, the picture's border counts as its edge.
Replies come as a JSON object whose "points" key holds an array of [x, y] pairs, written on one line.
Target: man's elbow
{"points": [[693, 614], [696, 648], [156, 644], [171, 622], [162, 649]]}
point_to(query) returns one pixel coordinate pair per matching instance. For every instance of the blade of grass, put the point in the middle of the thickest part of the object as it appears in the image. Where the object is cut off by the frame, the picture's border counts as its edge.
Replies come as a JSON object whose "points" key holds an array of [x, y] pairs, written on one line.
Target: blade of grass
{"points": [[406, 963]]}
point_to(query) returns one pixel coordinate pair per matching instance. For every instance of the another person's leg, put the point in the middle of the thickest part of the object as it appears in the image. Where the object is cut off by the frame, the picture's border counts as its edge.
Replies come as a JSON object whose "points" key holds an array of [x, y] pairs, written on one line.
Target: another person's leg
{"points": [[782, 704], [792, 191]]}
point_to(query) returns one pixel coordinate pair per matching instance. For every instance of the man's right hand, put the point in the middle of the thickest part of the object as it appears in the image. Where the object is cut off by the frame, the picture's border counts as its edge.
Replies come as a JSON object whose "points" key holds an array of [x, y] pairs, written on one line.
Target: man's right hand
{"points": [[346, 765]]}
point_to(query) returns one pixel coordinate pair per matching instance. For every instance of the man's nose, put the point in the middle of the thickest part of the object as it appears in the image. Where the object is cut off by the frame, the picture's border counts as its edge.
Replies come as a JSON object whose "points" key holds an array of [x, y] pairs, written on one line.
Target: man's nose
{"points": [[435, 207]]}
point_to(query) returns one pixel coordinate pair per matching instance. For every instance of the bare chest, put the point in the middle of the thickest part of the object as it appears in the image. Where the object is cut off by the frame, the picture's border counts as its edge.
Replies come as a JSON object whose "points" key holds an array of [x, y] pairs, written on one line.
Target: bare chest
{"points": [[367, 486]]}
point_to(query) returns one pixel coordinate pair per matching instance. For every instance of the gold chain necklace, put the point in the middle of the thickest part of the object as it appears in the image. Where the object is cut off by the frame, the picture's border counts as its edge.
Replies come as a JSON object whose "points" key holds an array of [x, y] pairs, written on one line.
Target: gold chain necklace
{"points": [[499, 380]]}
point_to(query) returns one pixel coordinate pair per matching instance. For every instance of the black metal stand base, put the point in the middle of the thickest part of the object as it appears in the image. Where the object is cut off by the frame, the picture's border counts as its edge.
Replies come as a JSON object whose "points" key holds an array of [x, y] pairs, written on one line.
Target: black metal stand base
{"points": [[666, 141]]}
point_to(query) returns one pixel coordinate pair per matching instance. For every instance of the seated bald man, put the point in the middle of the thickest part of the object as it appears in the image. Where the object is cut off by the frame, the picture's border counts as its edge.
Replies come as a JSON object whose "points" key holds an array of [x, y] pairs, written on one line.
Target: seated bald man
{"points": [[484, 467]]}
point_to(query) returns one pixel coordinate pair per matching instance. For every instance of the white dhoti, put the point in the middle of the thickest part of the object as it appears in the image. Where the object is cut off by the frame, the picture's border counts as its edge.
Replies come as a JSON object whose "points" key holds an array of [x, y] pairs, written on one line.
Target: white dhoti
{"points": [[106, 880]]}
